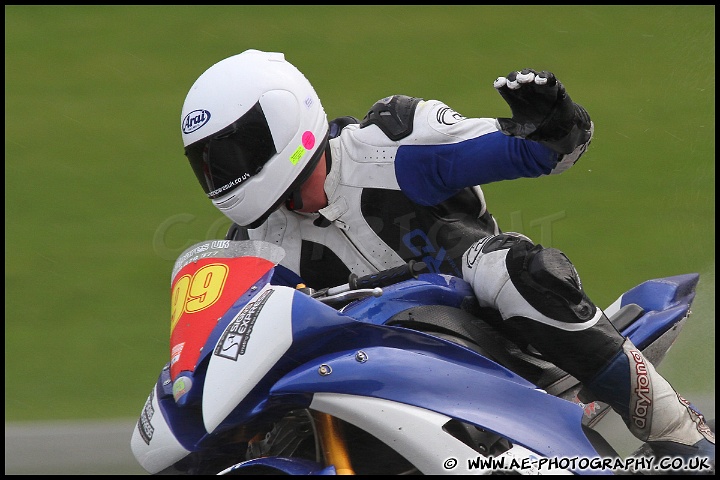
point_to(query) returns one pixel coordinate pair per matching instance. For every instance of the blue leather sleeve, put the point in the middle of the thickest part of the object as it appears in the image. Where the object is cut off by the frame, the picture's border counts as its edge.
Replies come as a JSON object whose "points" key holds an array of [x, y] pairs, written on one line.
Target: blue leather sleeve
{"points": [[286, 277], [429, 174]]}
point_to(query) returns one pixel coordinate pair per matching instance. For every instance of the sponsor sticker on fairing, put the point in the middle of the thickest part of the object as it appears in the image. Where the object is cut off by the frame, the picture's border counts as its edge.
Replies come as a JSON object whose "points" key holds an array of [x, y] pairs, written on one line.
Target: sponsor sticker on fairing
{"points": [[234, 339]]}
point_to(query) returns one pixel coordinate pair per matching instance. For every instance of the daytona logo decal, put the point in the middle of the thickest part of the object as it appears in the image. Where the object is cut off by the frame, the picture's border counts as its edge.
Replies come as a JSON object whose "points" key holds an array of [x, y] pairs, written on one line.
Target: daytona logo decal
{"points": [[643, 394]]}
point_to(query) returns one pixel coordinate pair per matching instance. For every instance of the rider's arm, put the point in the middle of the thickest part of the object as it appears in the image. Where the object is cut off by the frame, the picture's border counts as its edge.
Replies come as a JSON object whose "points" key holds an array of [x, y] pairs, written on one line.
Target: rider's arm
{"points": [[429, 174], [446, 152]]}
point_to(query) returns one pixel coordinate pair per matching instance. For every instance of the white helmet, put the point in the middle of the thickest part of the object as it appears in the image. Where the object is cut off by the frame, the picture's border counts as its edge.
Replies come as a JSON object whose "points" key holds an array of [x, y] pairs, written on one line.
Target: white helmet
{"points": [[253, 129]]}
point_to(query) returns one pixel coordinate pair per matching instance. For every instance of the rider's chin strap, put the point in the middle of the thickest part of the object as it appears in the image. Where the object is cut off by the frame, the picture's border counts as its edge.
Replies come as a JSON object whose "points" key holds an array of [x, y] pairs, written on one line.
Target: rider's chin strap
{"points": [[294, 201]]}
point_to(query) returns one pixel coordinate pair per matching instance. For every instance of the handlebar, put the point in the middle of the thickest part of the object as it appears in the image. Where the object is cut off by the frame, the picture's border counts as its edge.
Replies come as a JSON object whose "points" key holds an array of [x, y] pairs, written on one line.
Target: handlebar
{"points": [[387, 277], [371, 284]]}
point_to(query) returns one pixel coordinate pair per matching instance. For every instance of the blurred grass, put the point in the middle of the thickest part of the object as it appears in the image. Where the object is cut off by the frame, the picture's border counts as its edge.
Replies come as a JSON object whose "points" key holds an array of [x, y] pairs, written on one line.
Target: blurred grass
{"points": [[99, 199]]}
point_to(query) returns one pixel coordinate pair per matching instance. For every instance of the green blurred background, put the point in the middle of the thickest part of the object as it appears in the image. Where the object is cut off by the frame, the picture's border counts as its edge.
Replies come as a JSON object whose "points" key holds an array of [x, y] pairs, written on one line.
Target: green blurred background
{"points": [[99, 199]]}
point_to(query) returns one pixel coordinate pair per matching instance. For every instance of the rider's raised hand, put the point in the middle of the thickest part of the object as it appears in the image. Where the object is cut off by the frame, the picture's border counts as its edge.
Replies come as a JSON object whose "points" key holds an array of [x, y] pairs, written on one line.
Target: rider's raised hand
{"points": [[542, 110]]}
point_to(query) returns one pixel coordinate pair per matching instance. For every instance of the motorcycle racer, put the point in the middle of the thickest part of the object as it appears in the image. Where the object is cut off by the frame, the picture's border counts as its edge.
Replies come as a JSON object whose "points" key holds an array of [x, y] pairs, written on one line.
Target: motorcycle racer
{"points": [[403, 183]]}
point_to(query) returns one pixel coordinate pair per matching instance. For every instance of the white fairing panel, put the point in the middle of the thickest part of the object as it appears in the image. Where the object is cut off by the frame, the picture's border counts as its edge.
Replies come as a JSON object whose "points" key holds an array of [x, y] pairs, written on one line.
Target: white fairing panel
{"points": [[153, 443], [253, 342], [417, 434], [614, 307], [413, 432]]}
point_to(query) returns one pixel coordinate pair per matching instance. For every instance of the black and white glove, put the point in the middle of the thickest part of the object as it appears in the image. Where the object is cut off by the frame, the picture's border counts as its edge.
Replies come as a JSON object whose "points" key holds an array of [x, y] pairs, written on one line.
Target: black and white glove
{"points": [[542, 111]]}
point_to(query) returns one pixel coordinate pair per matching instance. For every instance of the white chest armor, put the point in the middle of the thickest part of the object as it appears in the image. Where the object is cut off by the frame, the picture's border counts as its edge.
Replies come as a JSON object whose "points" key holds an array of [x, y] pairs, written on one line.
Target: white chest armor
{"points": [[362, 158], [348, 235]]}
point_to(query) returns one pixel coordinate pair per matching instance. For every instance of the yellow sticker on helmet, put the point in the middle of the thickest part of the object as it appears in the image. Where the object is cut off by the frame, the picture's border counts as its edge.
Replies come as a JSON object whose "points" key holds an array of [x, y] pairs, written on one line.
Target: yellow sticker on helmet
{"points": [[297, 155]]}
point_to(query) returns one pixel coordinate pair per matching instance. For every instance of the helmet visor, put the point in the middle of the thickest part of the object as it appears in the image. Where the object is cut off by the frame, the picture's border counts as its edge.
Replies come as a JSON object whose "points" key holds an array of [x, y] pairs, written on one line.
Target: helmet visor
{"points": [[227, 158]]}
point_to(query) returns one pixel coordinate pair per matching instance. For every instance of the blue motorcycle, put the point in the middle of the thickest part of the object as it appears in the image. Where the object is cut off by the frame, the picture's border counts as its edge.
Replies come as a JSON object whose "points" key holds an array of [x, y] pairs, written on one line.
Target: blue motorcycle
{"points": [[392, 373]]}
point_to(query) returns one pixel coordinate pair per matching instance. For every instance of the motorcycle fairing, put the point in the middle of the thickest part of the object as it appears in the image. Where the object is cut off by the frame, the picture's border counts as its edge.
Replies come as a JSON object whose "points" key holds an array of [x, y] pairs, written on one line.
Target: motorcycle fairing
{"points": [[540, 422], [291, 328], [180, 429], [325, 330], [252, 343], [156, 439], [410, 430], [664, 300], [207, 280], [198, 283], [273, 344], [287, 466], [428, 289]]}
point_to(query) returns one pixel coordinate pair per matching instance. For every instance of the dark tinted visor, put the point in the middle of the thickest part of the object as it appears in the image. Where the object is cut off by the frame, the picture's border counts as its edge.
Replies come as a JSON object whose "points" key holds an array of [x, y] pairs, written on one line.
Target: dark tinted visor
{"points": [[229, 157]]}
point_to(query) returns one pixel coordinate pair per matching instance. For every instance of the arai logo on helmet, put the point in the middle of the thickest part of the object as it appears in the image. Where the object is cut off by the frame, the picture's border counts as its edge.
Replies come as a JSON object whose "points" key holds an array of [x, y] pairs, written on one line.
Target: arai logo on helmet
{"points": [[194, 120]]}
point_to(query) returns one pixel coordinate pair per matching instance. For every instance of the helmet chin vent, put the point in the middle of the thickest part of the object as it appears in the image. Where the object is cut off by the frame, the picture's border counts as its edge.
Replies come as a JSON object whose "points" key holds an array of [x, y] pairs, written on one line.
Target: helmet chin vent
{"points": [[228, 203]]}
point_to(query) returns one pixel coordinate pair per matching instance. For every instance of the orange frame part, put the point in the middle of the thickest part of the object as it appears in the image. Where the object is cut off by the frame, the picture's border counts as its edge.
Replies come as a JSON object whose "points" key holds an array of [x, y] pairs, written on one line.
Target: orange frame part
{"points": [[332, 443]]}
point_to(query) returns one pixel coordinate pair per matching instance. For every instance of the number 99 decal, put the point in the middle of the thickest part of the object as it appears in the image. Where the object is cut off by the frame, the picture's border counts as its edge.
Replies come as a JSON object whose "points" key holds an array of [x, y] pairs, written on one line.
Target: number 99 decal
{"points": [[193, 293]]}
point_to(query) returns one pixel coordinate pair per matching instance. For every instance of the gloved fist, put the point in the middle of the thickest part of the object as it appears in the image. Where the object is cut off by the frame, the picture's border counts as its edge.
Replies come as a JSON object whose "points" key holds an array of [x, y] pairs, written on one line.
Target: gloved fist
{"points": [[542, 111]]}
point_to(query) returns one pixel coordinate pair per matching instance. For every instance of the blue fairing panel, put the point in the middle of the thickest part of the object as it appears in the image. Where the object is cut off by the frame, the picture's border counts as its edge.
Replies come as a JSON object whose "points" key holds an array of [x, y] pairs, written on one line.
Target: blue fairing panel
{"points": [[475, 394], [665, 301], [662, 293], [280, 465], [429, 289]]}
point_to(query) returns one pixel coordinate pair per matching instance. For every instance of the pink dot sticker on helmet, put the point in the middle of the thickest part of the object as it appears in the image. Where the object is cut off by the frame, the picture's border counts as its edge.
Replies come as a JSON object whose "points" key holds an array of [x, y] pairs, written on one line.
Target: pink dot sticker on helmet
{"points": [[308, 140]]}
